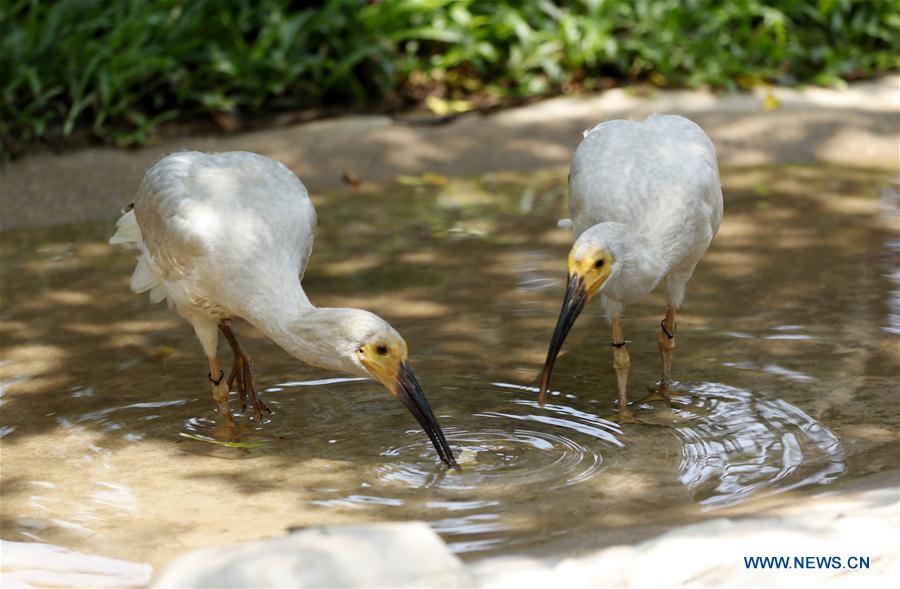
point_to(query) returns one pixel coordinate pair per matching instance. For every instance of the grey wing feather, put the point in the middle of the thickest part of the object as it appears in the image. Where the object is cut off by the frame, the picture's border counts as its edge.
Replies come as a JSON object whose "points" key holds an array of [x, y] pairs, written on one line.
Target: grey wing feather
{"points": [[226, 219], [311, 229], [158, 211], [646, 174]]}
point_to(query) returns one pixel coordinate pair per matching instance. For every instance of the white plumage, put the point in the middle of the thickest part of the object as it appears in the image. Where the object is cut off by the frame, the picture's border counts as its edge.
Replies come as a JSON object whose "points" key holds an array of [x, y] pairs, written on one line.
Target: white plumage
{"points": [[653, 184], [645, 202], [221, 235], [229, 235]]}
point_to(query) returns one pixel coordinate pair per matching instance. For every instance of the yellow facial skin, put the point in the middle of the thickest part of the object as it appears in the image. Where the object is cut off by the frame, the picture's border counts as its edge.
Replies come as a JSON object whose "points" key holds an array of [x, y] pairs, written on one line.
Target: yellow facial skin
{"points": [[587, 273], [593, 270], [383, 360]]}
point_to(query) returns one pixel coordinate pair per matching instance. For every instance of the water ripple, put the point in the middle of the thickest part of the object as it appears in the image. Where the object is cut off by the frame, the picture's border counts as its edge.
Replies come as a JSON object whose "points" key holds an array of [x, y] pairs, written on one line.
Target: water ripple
{"points": [[735, 444], [521, 445]]}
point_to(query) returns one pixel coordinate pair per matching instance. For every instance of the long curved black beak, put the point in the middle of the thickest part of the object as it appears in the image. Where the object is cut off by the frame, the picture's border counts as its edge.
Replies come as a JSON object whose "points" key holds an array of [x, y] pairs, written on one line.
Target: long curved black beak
{"points": [[573, 303], [410, 394]]}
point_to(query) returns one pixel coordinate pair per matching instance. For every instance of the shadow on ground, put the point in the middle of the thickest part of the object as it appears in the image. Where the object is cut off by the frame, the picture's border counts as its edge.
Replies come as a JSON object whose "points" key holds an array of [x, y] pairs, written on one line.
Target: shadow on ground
{"points": [[793, 301]]}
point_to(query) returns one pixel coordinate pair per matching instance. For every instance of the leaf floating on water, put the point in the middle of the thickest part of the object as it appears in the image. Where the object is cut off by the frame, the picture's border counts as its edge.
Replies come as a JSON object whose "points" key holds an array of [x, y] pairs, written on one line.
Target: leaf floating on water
{"points": [[350, 177], [750, 81], [762, 190], [771, 102], [435, 179], [467, 457], [426, 179], [443, 107], [221, 443], [409, 180], [162, 353]]}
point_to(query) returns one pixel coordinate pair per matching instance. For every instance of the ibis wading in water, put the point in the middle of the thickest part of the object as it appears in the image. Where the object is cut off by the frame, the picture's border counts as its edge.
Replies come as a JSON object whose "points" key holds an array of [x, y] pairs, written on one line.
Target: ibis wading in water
{"points": [[229, 235], [645, 203]]}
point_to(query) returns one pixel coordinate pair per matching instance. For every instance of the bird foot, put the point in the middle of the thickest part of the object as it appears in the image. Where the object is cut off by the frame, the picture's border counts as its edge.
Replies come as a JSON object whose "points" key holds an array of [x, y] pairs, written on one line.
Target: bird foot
{"points": [[625, 416], [220, 394], [229, 430], [242, 376], [660, 393]]}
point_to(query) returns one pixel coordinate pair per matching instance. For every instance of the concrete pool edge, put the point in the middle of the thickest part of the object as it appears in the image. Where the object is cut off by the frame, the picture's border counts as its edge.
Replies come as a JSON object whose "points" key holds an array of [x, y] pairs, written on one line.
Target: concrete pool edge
{"points": [[709, 552], [858, 519]]}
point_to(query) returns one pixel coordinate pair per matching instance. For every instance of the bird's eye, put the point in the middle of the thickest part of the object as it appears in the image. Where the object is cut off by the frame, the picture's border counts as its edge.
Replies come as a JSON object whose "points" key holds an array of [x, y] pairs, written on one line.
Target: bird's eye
{"points": [[381, 349], [599, 263]]}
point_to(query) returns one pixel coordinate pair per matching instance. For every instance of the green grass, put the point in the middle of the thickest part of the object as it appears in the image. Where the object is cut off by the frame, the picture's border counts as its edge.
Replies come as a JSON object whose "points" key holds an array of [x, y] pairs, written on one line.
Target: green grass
{"points": [[117, 69]]}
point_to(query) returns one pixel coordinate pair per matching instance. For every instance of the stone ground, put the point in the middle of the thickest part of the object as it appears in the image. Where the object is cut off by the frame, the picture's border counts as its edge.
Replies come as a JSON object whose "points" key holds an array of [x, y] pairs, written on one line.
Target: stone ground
{"points": [[856, 127], [857, 524], [860, 518]]}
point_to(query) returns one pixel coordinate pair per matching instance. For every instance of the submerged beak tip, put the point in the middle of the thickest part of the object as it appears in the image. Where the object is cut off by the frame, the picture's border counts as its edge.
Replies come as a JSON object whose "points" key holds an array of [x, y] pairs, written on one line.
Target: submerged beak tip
{"points": [[573, 303], [410, 394]]}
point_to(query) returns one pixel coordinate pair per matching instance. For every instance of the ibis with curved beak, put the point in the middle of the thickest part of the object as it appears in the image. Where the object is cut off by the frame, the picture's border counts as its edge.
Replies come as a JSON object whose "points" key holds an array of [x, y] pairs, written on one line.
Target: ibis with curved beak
{"points": [[229, 235], [645, 202]]}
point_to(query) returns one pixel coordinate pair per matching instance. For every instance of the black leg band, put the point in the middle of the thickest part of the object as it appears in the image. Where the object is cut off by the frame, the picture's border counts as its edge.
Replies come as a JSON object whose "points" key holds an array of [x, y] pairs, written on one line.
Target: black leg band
{"points": [[216, 381], [666, 331], [619, 344]]}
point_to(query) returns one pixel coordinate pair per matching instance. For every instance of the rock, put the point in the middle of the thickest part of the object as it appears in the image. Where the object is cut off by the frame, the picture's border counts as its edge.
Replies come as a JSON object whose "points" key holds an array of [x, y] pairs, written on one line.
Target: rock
{"points": [[30, 564], [712, 553], [377, 555]]}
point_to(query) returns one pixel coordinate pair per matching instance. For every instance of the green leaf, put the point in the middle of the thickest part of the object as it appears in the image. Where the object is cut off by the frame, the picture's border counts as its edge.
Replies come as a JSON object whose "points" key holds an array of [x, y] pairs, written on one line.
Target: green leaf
{"points": [[221, 443]]}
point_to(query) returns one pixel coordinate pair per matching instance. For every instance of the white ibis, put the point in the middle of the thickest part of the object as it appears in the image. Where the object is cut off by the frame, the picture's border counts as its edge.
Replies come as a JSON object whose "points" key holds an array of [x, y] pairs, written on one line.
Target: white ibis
{"points": [[229, 235], [645, 203]]}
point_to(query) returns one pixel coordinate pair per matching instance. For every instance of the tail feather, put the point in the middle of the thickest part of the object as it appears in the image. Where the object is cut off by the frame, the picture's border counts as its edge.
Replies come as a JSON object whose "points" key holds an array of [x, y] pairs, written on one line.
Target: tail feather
{"points": [[158, 293], [128, 232], [144, 278], [147, 275]]}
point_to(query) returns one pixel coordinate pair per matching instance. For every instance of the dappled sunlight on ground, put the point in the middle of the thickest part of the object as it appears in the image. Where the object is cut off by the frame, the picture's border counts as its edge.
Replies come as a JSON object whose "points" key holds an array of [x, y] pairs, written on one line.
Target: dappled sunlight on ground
{"points": [[107, 424]]}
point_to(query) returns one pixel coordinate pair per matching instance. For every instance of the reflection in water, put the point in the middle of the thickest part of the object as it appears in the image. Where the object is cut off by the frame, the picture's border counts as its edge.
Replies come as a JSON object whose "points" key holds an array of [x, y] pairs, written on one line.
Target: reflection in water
{"points": [[735, 443], [113, 419], [108, 427], [358, 501], [772, 368], [514, 446], [314, 383], [891, 213]]}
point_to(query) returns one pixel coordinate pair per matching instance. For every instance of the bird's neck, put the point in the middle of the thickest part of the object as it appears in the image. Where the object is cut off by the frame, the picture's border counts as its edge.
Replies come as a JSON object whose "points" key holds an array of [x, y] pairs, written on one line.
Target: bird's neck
{"points": [[275, 309], [643, 265], [289, 319]]}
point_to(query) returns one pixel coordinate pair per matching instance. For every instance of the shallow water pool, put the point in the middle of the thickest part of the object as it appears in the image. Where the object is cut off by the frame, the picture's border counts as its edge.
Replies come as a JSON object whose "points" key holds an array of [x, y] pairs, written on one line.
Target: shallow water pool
{"points": [[786, 364]]}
